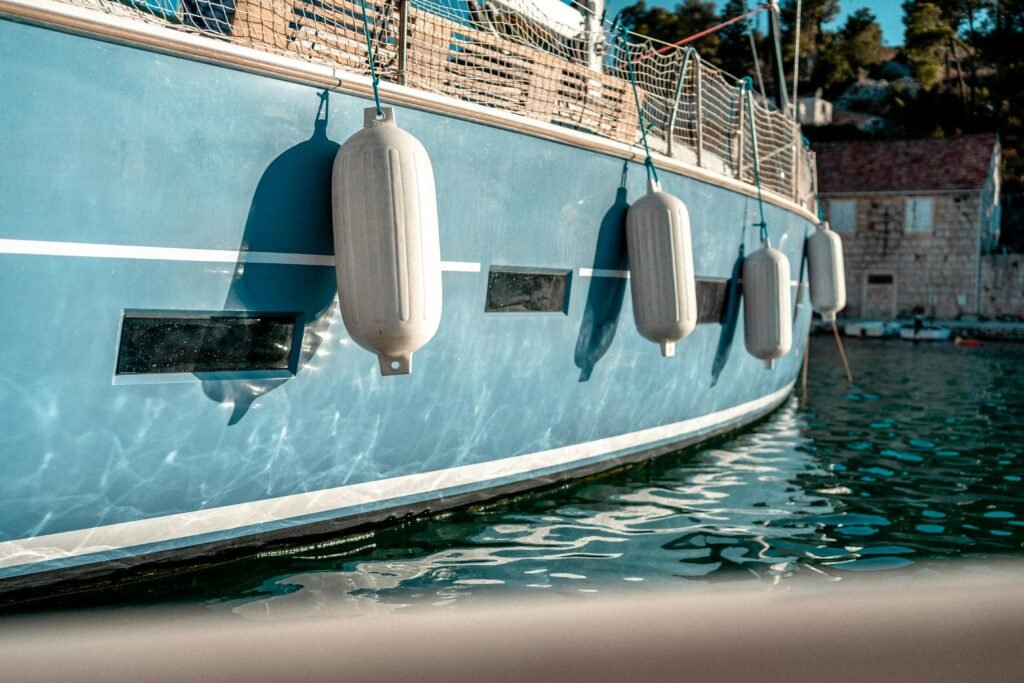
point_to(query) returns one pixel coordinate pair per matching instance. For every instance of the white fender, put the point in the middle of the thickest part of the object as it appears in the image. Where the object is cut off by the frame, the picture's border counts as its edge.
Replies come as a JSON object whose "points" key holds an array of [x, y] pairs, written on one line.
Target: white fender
{"points": [[825, 272], [386, 241], [767, 309], [662, 281]]}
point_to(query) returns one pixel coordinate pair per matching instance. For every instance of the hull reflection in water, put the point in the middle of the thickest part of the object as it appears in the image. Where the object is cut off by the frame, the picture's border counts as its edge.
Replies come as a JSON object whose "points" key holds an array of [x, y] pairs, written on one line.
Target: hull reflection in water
{"points": [[891, 478], [895, 479], [717, 509]]}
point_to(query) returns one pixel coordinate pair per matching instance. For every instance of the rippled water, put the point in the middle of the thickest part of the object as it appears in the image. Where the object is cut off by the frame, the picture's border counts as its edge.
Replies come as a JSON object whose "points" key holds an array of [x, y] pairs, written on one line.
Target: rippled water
{"points": [[920, 462]]}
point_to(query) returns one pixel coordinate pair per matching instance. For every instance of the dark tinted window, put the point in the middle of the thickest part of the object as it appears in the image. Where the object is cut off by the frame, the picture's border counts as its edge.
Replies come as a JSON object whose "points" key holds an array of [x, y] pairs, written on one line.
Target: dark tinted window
{"points": [[879, 279], [711, 300], [511, 290], [156, 344]]}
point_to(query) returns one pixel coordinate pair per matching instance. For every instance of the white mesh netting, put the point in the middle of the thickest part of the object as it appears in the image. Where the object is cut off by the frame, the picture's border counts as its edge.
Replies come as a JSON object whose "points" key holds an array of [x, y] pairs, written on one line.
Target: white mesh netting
{"points": [[544, 59]]}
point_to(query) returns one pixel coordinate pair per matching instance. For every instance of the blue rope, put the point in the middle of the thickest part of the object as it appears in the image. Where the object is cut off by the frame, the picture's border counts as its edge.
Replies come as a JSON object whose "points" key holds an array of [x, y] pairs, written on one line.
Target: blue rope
{"points": [[648, 162], [748, 85], [373, 68]]}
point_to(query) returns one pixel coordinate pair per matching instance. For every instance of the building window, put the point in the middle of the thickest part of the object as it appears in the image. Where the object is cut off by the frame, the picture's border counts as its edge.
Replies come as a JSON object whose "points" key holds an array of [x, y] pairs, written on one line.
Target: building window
{"points": [[842, 215], [918, 215]]}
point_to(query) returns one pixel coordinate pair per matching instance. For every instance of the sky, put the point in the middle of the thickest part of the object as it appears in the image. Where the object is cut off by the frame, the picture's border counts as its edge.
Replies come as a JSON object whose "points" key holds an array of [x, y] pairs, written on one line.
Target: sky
{"points": [[888, 12]]}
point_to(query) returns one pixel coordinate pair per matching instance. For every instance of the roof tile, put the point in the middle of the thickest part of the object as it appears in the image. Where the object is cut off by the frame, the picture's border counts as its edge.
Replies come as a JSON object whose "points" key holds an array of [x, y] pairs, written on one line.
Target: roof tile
{"points": [[905, 165]]}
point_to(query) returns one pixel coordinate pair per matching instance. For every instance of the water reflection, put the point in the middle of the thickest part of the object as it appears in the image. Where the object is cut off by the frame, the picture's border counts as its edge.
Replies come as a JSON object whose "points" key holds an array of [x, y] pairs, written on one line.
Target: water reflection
{"points": [[921, 462], [924, 465], [690, 520]]}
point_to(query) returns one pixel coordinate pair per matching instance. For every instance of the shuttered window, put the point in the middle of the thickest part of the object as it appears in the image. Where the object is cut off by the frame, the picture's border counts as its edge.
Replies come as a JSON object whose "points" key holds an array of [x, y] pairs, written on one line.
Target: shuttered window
{"points": [[918, 216], [842, 215]]}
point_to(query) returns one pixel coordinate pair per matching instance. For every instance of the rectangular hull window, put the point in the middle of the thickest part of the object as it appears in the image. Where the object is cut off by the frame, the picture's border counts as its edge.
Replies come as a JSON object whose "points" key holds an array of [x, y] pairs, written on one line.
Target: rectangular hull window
{"points": [[513, 290], [711, 300], [215, 343]]}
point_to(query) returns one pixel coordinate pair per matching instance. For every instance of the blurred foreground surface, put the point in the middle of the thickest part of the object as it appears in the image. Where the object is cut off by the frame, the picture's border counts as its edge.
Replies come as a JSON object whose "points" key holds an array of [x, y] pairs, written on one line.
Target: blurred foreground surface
{"points": [[958, 628]]}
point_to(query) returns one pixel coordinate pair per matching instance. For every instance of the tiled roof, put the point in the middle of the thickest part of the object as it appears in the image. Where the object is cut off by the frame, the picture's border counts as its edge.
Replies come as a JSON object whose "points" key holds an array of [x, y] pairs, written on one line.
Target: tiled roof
{"points": [[905, 165]]}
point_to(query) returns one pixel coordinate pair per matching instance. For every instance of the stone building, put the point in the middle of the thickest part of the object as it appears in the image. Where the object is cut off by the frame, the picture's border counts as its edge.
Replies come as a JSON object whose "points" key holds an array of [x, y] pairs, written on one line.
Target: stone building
{"points": [[917, 218], [814, 110], [1002, 285]]}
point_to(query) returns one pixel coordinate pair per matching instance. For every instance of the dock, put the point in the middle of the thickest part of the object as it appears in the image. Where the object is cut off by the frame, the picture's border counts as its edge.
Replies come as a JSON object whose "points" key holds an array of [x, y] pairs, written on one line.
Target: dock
{"points": [[988, 330]]}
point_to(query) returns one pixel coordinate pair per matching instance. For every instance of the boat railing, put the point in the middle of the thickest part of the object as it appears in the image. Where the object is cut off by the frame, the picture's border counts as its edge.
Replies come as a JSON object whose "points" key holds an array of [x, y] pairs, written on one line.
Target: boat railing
{"points": [[542, 59]]}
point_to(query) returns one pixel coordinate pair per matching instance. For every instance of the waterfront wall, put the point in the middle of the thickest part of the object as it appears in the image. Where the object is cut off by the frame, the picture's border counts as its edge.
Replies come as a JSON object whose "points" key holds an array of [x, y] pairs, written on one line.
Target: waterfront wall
{"points": [[892, 272], [1002, 285], [915, 216]]}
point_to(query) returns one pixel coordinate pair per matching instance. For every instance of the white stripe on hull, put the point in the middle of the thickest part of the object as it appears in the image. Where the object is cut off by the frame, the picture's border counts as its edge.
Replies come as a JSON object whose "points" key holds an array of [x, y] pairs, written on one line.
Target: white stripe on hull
{"points": [[127, 251], [601, 272], [189, 524]]}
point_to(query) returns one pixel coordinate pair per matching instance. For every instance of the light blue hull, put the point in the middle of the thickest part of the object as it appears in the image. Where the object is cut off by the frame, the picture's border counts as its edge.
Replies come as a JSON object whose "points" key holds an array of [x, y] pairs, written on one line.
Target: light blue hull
{"points": [[132, 181]]}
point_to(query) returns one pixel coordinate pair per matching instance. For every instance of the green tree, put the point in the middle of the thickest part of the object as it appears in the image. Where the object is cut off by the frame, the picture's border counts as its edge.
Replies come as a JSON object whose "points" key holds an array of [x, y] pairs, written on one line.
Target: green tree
{"points": [[688, 18], [843, 55], [814, 14], [832, 70], [928, 37], [861, 40], [1000, 51], [656, 22], [734, 53]]}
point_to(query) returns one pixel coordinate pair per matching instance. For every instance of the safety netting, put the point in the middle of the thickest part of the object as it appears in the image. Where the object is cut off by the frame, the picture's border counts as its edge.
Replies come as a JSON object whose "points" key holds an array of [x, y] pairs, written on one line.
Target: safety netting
{"points": [[552, 61]]}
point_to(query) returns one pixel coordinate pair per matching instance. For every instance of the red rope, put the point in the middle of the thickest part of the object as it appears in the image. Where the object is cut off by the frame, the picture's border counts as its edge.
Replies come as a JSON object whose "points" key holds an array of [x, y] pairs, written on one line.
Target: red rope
{"points": [[695, 36]]}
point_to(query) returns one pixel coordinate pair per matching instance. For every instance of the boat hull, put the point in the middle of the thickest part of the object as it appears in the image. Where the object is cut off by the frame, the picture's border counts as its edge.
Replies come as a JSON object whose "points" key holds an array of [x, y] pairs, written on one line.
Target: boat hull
{"points": [[135, 181], [875, 329]]}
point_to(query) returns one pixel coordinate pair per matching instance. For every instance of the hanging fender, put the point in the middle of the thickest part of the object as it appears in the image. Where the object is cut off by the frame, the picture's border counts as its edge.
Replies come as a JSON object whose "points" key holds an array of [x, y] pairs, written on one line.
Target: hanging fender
{"points": [[767, 310], [386, 241], [662, 281], [826, 272]]}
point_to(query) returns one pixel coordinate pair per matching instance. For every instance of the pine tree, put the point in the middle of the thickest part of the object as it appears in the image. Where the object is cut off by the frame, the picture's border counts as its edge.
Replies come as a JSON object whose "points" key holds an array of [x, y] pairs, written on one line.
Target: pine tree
{"points": [[814, 14], [688, 18], [861, 40], [734, 53], [845, 54], [928, 40]]}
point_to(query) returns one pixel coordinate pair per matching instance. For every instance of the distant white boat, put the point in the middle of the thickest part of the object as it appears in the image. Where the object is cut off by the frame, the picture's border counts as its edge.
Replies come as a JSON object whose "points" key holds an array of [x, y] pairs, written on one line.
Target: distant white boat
{"points": [[924, 333], [875, 329]]}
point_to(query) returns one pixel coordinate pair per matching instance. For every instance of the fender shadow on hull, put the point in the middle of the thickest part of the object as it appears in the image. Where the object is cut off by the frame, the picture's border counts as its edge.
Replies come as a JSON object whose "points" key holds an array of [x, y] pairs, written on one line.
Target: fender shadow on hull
{"points": [[605, 295], [291, 210]]}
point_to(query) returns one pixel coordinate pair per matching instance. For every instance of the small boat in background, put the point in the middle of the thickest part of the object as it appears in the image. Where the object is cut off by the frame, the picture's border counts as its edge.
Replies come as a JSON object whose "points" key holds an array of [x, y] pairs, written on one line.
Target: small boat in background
{"points": [[967, 342], [874, 329], [924, 333]]}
